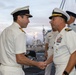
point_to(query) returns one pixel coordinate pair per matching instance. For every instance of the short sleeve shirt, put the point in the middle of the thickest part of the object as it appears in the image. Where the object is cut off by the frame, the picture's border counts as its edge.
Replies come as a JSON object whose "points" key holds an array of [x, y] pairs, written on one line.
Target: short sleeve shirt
{"points": [[65, 45], [50, 38], [12, 42]]}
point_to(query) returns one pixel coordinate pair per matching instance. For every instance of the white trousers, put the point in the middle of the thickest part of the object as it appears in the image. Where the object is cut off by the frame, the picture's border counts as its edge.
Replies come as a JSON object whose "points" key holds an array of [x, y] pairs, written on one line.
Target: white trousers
{"points": [[7, 70], [49, 66], [48, 69]]}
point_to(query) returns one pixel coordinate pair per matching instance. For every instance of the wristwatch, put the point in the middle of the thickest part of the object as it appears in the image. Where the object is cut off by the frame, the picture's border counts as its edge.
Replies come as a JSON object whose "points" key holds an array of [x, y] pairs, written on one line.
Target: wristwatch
{"points": [[65, 73]]}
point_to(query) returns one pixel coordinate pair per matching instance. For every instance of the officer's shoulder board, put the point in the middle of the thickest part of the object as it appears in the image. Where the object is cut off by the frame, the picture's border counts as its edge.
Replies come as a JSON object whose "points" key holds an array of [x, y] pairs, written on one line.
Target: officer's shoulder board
{"points": [[22, 30], [68, 29]]}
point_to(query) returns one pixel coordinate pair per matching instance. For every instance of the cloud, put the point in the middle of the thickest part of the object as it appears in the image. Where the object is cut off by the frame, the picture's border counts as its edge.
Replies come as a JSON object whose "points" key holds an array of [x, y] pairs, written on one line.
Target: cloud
{"points": [[40, 9], [31, 37]]}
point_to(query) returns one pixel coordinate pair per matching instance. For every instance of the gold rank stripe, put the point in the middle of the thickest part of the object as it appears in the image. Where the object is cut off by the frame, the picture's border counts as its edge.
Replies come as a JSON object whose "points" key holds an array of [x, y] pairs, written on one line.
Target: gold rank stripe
{"points": [[22, 30], [56, 14]]}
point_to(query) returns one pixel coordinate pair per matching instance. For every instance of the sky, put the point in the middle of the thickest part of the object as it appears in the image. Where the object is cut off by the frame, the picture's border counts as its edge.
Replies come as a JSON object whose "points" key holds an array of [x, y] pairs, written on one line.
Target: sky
{"points": [[40, 9]]}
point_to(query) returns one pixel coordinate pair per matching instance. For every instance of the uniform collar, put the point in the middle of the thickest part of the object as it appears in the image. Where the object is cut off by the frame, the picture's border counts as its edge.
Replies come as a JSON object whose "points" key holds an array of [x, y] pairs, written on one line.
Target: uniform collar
{"points": [[63, 30], [16, 24], [54, 32]]}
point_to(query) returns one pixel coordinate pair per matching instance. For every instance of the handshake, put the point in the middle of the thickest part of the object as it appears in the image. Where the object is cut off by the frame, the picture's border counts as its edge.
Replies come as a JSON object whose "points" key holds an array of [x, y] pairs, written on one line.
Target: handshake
{"points": [[42, 65]]}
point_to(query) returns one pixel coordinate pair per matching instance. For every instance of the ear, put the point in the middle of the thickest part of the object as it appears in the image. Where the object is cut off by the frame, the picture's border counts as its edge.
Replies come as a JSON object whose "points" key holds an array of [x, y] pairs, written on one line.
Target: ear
{"points": [[73, 18], [19, 17]]}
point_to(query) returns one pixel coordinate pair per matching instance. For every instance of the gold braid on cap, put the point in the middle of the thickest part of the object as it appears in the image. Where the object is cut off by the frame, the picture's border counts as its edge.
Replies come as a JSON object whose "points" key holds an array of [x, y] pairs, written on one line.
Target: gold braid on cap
{"points": [[56, 14]]}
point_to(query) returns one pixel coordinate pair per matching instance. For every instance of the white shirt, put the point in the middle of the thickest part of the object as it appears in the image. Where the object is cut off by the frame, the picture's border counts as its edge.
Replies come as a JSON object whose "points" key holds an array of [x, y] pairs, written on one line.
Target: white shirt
{"points": [[50, 38], [65, 45], [12, 42]]}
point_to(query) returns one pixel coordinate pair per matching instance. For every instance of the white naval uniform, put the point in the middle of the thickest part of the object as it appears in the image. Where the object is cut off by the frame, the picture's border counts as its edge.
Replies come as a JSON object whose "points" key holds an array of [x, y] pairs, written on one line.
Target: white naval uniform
{"points": [[50, 38], [65, 45], [12, 42]]}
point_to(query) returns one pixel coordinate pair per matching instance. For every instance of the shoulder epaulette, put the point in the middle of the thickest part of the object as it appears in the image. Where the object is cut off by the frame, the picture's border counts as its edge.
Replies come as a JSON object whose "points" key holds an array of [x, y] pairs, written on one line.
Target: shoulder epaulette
{"points": [[68, 29], [22, 30]]}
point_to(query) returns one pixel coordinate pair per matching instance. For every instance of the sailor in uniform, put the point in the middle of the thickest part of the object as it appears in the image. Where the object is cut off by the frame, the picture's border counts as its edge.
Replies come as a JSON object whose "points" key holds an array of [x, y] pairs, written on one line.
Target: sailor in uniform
{"points": [[65, 43], [49, 42], [13, 45], [72, 20]]}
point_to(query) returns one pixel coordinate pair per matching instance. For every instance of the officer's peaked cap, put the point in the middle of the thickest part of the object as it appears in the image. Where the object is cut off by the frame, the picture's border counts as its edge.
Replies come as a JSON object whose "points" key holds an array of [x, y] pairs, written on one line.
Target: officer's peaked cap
{"points": [[22, 11], [59, 13]]}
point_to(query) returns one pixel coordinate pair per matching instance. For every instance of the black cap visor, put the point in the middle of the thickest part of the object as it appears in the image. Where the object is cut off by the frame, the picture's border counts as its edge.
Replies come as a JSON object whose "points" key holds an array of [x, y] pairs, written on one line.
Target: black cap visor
{"points": [[71, 13], [23, 12], [29, 15], [58, 15]]}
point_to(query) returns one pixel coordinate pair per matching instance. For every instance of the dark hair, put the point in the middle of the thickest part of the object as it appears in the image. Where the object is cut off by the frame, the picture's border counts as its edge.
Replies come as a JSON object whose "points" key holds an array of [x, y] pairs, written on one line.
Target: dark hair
{"points": [[21, 13], [15, 16]]}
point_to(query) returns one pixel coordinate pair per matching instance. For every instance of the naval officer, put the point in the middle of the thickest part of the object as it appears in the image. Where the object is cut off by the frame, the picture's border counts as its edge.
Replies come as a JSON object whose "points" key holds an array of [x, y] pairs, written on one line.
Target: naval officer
{"points": [[72, 20], [49, 42], [72, 26], [13, 45], [65, 42]]}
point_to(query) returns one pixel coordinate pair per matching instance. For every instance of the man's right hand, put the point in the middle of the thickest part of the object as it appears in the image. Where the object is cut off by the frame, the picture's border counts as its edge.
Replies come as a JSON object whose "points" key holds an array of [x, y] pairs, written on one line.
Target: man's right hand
{"points": [[41, 65]]}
